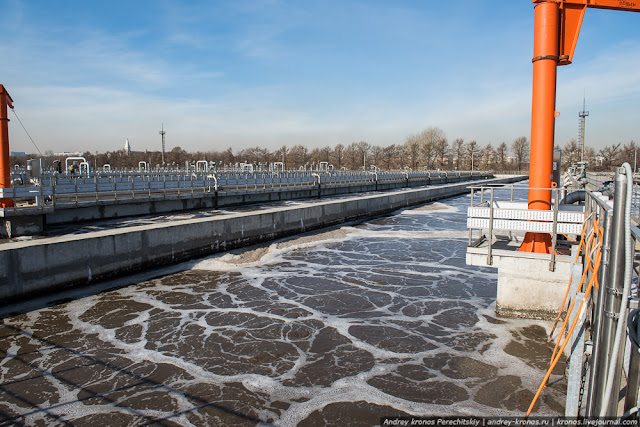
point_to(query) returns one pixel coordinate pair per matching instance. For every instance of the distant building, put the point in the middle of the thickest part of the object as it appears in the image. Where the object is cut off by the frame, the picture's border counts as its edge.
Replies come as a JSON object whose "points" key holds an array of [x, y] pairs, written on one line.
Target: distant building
{"points": [[127, 147], [18, 154]]}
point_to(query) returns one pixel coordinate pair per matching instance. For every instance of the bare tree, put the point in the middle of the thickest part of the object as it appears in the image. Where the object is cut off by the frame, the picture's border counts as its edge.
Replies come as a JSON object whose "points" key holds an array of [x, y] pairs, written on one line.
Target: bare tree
{"points": [[571, 152], [352, 157], [501, 154], [425, 147], [280, 155], [488, 156], [338, 156], [459, 152], [325, 154], [441, 151], [376, 155], [389, 154], [298, 156], [431, 138], [412, 150], [628, 153], [473, 152], [520, 148], [610, 155], [402, 156], [362, 148]]}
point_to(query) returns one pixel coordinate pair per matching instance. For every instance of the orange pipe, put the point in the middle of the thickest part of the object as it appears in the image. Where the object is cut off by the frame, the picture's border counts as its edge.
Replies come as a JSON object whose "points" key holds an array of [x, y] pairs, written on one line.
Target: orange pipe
{"points": [[545, 63], [5, 164]]}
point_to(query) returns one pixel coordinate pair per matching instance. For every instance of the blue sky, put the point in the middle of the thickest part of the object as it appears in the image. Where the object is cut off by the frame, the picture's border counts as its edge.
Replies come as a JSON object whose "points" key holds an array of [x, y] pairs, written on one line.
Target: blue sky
{"points": [[218, 74]]}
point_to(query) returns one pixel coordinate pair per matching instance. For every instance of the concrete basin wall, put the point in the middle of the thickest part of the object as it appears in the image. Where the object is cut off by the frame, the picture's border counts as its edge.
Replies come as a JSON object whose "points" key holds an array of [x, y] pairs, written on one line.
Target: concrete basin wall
{"points": [[45, 265]]}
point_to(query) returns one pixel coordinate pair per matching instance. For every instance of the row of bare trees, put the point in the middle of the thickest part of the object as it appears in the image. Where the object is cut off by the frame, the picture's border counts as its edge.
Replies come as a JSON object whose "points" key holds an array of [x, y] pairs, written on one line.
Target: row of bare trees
{"points": [[428, 149], [604, 159]]}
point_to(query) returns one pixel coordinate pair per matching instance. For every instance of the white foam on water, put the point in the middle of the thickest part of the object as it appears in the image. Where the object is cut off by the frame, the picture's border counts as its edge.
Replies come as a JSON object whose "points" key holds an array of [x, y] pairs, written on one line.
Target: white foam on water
{"points": [[431, 209], [385, 297]]}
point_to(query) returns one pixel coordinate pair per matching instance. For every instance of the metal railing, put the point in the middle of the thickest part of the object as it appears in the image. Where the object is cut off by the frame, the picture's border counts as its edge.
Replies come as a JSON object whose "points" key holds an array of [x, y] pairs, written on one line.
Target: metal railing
{"points": [[493, 215], [594, 309], [605, 180], [595, 299], [59, 191]]}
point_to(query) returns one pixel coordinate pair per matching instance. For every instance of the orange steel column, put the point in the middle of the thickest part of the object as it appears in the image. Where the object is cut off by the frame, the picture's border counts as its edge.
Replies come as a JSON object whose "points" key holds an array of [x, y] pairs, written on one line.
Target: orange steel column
{"points": [[545, 63], [5, 164]]}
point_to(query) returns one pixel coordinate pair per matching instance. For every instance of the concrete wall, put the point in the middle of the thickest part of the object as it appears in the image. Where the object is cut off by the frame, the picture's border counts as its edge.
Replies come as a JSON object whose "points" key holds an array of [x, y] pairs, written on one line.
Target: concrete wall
{"points": [[526, 286], [32, 220], [48, 264]]}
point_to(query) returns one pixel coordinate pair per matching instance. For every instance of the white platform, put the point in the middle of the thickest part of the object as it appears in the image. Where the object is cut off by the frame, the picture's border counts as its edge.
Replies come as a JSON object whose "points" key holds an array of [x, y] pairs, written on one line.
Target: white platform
{"points": [[514, 216]]}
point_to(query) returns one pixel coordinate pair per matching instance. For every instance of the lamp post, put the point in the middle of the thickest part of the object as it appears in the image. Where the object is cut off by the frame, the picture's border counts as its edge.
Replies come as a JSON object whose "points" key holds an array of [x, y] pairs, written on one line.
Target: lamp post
{"points": [[162, 132]]}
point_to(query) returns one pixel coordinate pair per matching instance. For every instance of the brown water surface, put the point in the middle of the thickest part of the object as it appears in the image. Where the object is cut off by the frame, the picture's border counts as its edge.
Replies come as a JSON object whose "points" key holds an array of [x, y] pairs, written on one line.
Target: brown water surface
{"points": [[336, 328]]}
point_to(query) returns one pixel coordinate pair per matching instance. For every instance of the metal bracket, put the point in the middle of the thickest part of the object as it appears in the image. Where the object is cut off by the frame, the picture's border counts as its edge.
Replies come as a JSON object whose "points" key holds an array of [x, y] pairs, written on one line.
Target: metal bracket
{"points": [[553, 57], [613, 291], [588, 348], [611, 315], [478, 242]]}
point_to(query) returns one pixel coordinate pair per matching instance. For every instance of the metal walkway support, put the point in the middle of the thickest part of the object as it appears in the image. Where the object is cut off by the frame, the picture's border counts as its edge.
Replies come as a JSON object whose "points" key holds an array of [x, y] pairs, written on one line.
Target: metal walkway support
{"points": [[592, 335]]}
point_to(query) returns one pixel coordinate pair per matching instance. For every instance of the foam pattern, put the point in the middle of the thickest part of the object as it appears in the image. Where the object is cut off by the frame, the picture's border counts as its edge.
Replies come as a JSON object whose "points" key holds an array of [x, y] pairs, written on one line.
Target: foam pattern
{"points": [[340, 327]]}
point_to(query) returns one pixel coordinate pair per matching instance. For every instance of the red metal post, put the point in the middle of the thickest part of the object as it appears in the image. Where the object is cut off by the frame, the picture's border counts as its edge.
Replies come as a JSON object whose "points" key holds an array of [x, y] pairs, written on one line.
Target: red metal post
{"points": [[545, 63], [5, 164]]}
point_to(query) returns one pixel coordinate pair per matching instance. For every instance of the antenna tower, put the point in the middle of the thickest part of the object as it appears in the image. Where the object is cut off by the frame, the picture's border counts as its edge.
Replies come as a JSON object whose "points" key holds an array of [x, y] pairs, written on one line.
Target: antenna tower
{"points": [[582, 114], [162, 132]]}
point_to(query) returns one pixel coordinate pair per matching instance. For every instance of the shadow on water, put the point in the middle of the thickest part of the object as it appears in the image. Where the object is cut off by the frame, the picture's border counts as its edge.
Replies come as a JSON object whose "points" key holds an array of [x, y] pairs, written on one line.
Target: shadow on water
{"points": [[52, 299], [145, 382]]}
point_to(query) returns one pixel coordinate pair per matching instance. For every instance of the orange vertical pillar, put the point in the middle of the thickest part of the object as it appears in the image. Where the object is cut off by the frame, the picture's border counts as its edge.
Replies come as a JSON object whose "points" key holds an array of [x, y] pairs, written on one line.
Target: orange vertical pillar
{"points": [[5, 164], [545, 64]]}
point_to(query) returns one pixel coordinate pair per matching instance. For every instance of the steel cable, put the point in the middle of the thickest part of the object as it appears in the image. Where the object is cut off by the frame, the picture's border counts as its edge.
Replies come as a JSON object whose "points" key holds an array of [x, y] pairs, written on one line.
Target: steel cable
{"points": [[25, 129]]}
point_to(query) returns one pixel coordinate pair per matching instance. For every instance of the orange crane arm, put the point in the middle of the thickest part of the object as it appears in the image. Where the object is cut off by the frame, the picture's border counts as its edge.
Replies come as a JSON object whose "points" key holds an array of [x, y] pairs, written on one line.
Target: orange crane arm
{"points": [[571, 16], [626, 5], [557, 26]]}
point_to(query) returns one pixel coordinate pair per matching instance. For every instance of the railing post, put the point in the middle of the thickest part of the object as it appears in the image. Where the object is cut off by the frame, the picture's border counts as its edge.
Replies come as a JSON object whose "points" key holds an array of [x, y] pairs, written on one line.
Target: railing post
{"points": [[554, 231], [489, 258], [470, 228]]}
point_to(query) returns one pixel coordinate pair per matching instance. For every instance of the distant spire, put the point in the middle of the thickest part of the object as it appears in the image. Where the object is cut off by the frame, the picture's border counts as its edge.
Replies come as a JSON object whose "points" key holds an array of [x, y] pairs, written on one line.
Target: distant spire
{"points": [[127, 147], [582, 114]]}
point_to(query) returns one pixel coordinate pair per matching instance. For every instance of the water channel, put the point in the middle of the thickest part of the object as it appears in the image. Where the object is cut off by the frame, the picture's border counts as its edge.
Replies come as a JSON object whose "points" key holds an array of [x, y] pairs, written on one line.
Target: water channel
{"points": [[339, 327]]}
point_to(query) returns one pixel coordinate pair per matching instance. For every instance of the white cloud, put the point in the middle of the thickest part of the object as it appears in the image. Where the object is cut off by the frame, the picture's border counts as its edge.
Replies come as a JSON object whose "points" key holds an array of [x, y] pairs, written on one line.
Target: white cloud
{"points": [[93, 93]]}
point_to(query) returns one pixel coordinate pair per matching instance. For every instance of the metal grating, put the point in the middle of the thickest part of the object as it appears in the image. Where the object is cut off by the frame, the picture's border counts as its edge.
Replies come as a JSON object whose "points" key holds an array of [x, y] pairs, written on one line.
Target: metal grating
{"points": [[525, 214], [518, 225]]}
